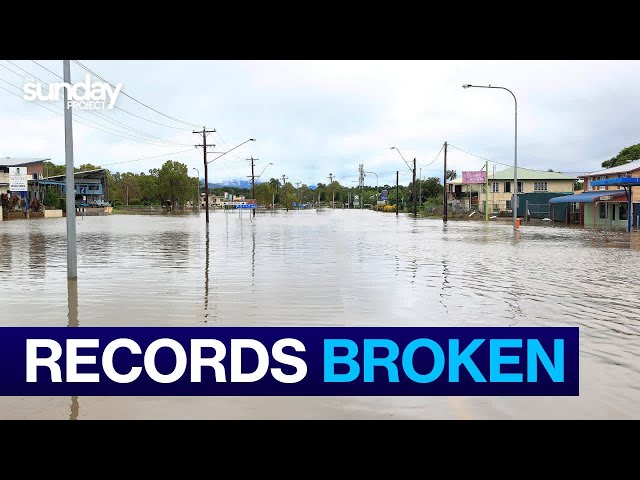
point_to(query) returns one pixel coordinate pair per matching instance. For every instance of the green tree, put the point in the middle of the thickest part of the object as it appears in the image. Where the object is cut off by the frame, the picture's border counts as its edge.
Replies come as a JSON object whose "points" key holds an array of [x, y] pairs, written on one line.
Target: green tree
{"points": [[86, 166], [52, 170], [626, 155], [148, 185], [174, 183], [451, 174], [52, 198]]}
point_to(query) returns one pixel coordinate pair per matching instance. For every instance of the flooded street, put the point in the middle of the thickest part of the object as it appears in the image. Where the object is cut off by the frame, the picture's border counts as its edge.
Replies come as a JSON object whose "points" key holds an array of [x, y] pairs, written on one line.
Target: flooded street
{"points": [[333, 268]]}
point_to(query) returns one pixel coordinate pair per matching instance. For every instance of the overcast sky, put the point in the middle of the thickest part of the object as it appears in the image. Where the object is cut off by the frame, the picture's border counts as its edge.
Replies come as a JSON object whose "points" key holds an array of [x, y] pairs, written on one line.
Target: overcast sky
{"points": [[312, 118]]}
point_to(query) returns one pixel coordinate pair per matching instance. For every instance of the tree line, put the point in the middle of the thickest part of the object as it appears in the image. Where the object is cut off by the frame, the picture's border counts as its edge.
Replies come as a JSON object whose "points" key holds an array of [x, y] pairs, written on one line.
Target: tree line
{"points": [[172, 183]]}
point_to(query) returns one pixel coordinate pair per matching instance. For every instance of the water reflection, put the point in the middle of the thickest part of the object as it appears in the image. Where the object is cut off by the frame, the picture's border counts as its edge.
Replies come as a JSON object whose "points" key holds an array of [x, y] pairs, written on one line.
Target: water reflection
{"points": [[445, 284], [5, 252], [37, 254], [338, 268], [72, 302], [174, 247], [206, 274], [72, 316]]}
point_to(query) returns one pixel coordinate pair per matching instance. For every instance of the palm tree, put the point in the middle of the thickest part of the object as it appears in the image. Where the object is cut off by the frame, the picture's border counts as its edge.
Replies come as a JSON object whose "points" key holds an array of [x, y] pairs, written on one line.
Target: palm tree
{"points": [[451, 174]]}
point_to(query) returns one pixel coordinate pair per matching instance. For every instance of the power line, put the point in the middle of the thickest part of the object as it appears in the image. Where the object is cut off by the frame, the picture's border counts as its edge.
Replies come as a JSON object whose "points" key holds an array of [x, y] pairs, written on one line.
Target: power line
{"points": [[95, 113], [134, 99], [149, 158], [101, 127], [120, 108], [95, 125], [441, 148]]}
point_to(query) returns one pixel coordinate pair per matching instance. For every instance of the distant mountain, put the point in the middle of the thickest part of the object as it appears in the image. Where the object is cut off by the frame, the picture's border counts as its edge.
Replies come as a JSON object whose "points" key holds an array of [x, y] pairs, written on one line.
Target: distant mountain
{"points": [[241, 184], [231, 184]]}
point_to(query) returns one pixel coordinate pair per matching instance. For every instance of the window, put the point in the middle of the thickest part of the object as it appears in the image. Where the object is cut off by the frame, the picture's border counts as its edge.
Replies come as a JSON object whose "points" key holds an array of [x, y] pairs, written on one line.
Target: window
{"points": [[602, 187], [495, 187], [507, 187], [623, 211], [508, 205], [540, 186], [603, 210], [520, 187]]}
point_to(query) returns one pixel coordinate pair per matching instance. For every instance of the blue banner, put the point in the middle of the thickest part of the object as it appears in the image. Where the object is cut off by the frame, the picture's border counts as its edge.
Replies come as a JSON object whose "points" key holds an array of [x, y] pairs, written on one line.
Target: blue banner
{"points": [[289, 361]]}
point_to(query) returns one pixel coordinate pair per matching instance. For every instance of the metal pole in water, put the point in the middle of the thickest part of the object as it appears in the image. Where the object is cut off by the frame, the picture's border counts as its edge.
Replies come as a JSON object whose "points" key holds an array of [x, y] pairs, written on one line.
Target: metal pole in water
{"points": [[72, 256]]}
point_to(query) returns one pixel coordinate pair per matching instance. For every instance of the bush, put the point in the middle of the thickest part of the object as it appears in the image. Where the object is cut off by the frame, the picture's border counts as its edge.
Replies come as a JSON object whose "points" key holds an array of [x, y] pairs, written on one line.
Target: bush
{"points": [[35, 205], [52, 198], [62, 204], [4, 201]]}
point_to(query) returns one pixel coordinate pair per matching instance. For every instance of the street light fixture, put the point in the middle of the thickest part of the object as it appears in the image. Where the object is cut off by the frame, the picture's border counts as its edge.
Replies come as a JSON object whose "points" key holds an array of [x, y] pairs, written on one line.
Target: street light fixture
{"points": [[398, 150], [265, 167], [515, 151], [198, 186]]}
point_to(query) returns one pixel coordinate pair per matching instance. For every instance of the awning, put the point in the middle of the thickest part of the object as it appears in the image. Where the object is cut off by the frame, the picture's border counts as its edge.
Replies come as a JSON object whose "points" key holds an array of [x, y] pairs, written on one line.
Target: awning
{"points": [[620, 181], [588, 197]]}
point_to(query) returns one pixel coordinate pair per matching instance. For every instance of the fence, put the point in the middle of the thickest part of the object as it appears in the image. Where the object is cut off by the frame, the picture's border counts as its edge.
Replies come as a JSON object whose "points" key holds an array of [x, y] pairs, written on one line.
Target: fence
{"points": [[540, 211]]}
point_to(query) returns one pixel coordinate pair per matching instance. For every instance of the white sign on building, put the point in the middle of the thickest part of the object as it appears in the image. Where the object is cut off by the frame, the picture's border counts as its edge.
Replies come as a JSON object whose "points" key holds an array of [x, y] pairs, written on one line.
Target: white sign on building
{"points": [[18, 179]]}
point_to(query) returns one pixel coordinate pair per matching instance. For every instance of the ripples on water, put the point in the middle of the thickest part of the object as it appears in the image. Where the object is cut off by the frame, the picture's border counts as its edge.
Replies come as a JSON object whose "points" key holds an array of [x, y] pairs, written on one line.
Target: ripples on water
{"points": [[340, 268]]}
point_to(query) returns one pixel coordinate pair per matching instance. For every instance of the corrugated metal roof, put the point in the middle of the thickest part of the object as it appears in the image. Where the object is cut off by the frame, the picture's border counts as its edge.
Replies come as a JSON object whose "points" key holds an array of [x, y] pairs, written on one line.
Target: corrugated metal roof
{"points": [[529, 174], [620, 181], [19, 162], [587, 197], [97, 173], [627, 167]]}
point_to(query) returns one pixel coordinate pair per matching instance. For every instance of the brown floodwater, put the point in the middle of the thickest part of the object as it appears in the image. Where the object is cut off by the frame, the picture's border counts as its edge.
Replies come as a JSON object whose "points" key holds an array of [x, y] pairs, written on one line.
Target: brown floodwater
{"points": [[333, 268]]}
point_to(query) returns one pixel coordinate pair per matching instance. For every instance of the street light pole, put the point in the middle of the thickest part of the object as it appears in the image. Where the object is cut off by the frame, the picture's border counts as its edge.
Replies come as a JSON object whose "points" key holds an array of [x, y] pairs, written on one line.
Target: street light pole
{"points": [[515, 151], [420, 189], [72, 254]]}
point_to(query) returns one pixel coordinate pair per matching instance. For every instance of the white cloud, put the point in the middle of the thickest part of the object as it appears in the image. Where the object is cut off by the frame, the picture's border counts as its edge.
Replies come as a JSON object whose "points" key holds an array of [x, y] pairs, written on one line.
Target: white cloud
{"points": [[311, 118]]}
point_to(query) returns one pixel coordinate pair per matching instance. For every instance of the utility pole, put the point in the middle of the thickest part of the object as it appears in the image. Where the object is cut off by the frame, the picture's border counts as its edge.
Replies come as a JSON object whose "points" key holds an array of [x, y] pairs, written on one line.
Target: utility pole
{"points": [[361, 168], [444, 207], [284, 183], [72, 254], [253, 182], [420, 187], [486, 192], [397, 190], [333, 195], [415, 196], [204, 133]]}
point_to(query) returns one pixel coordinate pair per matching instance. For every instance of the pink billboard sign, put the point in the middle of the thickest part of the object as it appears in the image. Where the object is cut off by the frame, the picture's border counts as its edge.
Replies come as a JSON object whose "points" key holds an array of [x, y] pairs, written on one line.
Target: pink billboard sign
{"points": [[473, 177]]}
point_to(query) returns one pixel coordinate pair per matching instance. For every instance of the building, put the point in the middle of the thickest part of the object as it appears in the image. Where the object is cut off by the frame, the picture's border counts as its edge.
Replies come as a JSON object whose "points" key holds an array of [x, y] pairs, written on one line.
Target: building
{"points": [[606, 205], [34, 168], [501, 189], [91, 187]]}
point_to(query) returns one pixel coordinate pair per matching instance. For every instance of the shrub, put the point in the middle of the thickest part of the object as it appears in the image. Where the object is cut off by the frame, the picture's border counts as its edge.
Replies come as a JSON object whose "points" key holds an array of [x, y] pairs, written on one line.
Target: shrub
{"points": [[35, 205], [52, 198]]}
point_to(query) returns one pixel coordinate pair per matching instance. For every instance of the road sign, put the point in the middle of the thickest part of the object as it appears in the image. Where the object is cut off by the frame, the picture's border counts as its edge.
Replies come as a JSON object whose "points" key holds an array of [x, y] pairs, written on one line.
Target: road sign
{"points": [[246, 205], [18, 179], [385, 192], [604, 198], [384, 197], [476, 177]]}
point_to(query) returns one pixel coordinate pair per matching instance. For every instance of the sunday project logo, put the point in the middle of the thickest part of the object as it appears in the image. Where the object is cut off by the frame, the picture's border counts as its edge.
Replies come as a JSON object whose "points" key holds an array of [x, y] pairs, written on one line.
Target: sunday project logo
{"points": [[80, 95]]}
